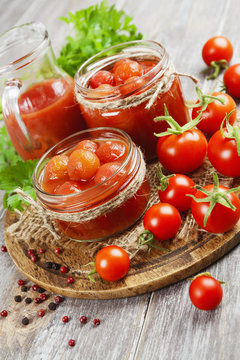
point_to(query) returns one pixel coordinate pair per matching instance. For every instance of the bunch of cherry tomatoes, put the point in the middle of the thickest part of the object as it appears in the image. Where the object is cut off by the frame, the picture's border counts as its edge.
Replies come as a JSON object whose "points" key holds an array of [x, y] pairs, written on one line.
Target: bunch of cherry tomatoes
{"points": [[181, 150]]}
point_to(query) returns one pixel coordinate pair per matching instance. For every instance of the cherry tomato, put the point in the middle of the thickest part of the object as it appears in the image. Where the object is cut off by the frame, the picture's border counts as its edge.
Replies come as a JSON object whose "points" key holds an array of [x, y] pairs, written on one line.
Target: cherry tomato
{"points": [[105, 171], [223, 155], [112, 263], [125, 70], [217, 48], [215, 112], [69, 187], [111, 151], [231, 79], [221, 218], [82, 164], [163, 220], [132, 84], [205, 292], [55, 173], [182, 153], [102, 77], [178, 187], [87, 145]]}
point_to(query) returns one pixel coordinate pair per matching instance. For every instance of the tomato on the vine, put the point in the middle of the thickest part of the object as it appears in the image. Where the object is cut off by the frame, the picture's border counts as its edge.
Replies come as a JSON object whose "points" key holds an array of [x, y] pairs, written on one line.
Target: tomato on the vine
{"points": [[162, 220], [231, 80], [112, 263], [221, 210], [173, 189], [224, 150], [205, 292], [215, 111], [217, 48]]}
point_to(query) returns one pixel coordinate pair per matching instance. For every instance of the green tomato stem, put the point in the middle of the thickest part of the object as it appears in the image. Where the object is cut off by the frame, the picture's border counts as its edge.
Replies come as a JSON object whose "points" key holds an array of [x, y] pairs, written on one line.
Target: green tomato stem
{"points": [[217, 66], [163, 179], [147, 238]]}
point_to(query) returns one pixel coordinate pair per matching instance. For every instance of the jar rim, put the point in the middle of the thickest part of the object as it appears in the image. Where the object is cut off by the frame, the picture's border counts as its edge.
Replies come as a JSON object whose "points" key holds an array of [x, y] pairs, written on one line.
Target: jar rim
{"points": [[42, 162], [10, 38], [155, 73]]}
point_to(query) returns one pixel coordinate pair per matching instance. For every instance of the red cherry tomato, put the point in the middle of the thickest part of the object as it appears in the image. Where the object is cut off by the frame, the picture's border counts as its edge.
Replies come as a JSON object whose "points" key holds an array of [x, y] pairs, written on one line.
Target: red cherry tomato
{"points": [[205, 292], [132, 84], [105, 171], [215, 112], [231, 79], [55, 173], [217, 48], [178, 187], [221, 218], [182, 153], [102, 77], [111, 151], [82, 165], [87, 145], [163, 220], [223, 155], [112, 263], [69, 187], [125, 70]]}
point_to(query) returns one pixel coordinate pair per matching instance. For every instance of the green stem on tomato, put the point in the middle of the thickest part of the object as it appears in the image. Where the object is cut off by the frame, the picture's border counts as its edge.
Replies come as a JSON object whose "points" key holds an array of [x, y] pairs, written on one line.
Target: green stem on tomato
{"points": [[217, 66], [163, 179], [232, 132], [205, 274], [204, 100], [147, 238], [93, 271]]}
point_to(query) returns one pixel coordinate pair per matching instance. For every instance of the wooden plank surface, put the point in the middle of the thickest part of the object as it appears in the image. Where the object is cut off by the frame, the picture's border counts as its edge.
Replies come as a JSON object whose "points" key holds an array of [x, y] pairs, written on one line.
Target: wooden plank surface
{"points": [[160, 325]]}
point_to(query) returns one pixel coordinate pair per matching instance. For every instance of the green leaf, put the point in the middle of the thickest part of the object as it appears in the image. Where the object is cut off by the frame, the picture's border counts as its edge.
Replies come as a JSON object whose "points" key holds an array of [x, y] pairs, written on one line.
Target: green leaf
{"points": [[94, 29]]}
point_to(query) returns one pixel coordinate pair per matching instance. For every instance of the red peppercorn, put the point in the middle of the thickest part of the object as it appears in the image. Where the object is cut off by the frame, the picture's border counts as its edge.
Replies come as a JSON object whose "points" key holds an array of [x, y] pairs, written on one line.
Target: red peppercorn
{"points": [[83, 319], [71, 342], [3, 313], [63, 269], [58, 299], [21, 282], [37, 300], [35, 287], [33, 258], [3, 248], [96, 322], [31, 252], [41, 312], [58, 251], [70, 280], [42, 251], [65, 319], [43, 297]]}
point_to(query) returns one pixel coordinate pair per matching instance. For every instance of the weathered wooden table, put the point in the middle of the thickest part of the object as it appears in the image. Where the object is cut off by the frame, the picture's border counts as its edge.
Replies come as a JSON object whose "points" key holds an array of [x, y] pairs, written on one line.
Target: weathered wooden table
{"points": [[160, 325]]}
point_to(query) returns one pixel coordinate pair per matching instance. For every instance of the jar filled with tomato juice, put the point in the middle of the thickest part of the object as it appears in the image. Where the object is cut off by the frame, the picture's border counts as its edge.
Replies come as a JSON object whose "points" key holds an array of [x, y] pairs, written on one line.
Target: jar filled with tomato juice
{"points": [[93, 183], [38, 101], [126, 86]]}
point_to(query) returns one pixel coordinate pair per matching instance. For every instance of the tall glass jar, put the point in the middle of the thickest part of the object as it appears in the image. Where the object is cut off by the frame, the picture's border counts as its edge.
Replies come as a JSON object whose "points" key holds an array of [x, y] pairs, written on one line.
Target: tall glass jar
{"points": [[105, 208], [133, 105], [38, 102]]}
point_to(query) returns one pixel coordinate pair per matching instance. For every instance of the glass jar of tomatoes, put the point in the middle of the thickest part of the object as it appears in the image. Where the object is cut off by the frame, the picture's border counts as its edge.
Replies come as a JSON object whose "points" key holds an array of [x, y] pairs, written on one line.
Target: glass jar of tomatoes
{"points": [[93, 183], [38, 101], [127, 86]]}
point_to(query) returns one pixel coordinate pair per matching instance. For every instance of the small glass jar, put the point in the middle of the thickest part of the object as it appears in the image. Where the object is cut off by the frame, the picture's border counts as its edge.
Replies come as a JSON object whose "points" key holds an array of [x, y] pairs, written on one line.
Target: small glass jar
{"points": [[38, 101], [132, 106], [103, 209]]}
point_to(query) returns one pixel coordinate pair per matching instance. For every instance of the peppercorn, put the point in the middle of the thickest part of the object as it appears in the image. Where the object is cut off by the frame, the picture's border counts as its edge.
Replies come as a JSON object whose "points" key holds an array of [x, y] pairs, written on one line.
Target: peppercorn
{"points": [[25, 321], [52, 306], [28, 300], [18, 298], [24, 288]]}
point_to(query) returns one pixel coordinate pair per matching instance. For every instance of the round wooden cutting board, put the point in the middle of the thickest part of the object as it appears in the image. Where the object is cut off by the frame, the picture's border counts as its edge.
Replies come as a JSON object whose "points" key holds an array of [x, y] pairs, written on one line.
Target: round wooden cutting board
{"points": [[148, 271]]}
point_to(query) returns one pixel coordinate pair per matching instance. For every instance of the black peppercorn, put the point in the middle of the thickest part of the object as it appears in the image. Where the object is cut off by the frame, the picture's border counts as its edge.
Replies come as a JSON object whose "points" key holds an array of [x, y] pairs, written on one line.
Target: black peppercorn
{"points": [[40, 290], [24, 288], [18, 298], [25, 321], [28, 300], [48, 265], [56, 266], [52, 306]]}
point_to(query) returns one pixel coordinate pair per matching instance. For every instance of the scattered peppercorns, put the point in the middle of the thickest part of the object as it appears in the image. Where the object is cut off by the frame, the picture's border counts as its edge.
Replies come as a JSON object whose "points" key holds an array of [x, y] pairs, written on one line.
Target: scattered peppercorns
{"points": [[65, 319], [58, 251], [41, 290], [24, 288], [71, 342], [48, 265], [21, 282], [3, 313], [43, 297], [96, 322], [63, 269], [70, 280], [58, 299], [3, 248], [34, 287], [52, 306], [83, 319], [34, 258], [18, 298], [42, 251], [28, 300], [25, 321], [37, 300], [41, 313], [56, 266]]}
